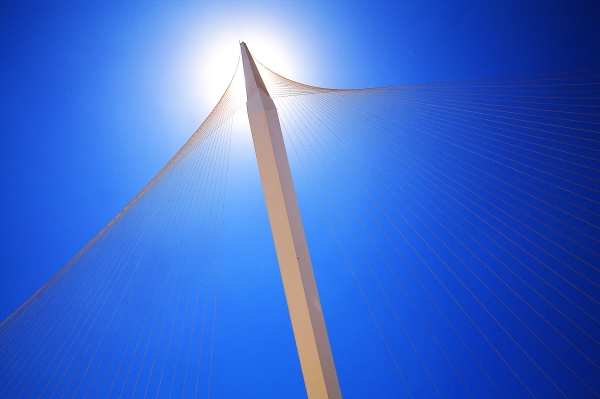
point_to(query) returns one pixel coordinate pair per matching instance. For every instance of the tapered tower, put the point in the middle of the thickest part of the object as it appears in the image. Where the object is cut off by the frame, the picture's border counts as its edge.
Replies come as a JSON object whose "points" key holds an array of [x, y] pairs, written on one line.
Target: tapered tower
{"points": [[297, 274]]}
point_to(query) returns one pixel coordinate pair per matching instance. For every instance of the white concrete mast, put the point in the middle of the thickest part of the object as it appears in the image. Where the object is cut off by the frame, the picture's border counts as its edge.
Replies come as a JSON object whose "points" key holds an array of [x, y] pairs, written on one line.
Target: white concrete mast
{"points": [[303, 302]]}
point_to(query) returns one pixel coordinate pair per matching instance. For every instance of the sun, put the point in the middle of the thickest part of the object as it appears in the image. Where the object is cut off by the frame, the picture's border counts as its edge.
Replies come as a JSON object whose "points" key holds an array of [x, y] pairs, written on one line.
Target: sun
{"points": [[224, 57], [199, 66], [210, 62]]}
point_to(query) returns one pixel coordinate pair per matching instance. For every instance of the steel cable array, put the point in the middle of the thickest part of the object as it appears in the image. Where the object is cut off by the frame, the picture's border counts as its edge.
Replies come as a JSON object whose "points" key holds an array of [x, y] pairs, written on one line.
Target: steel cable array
{"points": [[468, 213], [462, 216], [104, 325]]}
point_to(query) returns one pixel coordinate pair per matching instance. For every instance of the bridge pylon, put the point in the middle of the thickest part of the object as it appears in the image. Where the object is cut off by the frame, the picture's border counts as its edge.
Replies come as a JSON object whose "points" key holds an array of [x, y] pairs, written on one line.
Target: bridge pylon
{"points": [[304, 305]]}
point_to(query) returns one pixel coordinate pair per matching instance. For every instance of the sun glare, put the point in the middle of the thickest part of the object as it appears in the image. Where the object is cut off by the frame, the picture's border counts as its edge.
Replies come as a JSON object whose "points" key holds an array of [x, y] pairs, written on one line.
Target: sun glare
{"points": [[203, 61], [223, 56], [210, 63]]}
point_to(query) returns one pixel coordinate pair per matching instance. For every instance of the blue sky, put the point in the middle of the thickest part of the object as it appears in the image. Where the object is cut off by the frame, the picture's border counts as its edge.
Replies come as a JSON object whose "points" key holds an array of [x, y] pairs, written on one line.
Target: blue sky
{"points": [[98, 95]]}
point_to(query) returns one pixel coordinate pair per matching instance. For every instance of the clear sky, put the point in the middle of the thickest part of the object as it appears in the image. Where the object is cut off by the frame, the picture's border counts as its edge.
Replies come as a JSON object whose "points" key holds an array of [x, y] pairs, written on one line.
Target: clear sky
{"points": [[96, 96]]}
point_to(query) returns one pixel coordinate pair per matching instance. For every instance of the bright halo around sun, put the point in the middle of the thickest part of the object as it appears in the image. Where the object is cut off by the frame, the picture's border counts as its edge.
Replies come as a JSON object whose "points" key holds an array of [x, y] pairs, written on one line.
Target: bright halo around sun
{"points": [[210, 69], [223, 56], [205, 58]]}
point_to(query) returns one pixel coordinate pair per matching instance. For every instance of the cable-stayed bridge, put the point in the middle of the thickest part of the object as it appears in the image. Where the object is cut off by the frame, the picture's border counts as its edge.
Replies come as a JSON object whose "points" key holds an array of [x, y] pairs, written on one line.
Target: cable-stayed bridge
{"points": [[457, 221]]}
